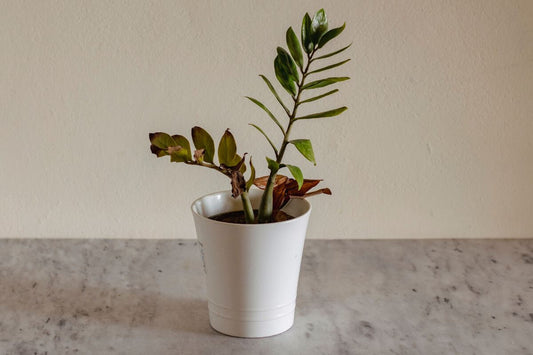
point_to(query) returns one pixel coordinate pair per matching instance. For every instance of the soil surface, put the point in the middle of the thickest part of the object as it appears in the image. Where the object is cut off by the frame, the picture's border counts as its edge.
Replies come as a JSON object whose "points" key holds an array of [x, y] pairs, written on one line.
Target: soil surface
{"points": [[238, 217]]}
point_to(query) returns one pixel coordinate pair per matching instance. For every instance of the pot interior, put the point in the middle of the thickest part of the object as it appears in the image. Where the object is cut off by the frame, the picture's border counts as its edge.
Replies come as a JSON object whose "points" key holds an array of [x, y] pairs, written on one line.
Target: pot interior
{"points": [[222, 202]]}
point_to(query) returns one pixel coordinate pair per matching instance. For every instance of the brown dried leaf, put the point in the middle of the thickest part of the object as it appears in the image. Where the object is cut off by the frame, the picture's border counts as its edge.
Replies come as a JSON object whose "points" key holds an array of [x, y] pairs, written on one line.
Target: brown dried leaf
{"points": [[292, 187], [238, 183], [261, 182], [287, 188], [325, 191], [279, 197]]}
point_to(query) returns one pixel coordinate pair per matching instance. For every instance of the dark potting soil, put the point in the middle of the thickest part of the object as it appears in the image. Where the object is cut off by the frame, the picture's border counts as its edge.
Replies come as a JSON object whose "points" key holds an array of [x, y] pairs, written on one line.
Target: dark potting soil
{"points": [[238, 217]]}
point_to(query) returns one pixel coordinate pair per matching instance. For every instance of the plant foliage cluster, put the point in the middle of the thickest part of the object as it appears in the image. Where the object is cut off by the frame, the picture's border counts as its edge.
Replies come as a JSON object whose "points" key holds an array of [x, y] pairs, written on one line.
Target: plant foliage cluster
{"points": [[292, 68]]}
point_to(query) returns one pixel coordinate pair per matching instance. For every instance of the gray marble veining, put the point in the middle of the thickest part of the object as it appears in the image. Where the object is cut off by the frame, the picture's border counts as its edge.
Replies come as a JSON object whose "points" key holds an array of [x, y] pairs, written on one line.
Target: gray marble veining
{"points": [[355, 297]]}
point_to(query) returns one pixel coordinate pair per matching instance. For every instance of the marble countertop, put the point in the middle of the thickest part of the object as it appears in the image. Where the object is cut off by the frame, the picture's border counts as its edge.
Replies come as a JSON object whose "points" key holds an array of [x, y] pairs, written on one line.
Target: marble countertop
{"points": [[355, 297]]}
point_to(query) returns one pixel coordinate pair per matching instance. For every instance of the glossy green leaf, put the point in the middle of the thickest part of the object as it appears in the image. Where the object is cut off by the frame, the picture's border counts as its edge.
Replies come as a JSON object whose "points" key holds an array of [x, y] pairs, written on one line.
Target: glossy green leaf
{"points": [[323, 82], [329, 66], [289, 64], [272, 164], [269, 84], [329, 113], [333, 53], [319, 96], [328, 36], [202, 140], [297, 174], [227, 150], [305, 147], [250, 181], [258, 103], [284, 77], [307, 41], [294, 47], [319, 25], [268, 139], [183, 154]]}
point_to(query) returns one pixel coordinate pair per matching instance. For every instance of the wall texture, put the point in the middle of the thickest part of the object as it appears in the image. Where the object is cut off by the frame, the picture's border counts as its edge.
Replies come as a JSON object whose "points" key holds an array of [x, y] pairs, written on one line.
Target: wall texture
{"points": [[437, 141]]}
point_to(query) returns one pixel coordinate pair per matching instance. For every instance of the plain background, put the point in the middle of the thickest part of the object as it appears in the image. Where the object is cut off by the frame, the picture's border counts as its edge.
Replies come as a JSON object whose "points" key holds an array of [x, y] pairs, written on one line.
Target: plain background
{"points": [[437, 141]]}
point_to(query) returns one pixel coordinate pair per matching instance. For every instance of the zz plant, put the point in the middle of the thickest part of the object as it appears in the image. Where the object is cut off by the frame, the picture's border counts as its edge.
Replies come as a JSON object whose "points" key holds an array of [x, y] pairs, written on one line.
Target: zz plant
{"points": [[293, 71]]}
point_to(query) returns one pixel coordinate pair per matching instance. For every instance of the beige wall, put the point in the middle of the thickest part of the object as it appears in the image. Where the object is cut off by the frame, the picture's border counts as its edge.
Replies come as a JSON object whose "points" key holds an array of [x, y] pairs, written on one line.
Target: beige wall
{"points": [[438, 140]]}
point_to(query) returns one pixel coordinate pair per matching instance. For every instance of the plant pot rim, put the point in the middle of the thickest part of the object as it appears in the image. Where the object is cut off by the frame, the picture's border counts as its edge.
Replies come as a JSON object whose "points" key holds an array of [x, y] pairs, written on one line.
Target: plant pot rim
{"points": [[254, 192]]}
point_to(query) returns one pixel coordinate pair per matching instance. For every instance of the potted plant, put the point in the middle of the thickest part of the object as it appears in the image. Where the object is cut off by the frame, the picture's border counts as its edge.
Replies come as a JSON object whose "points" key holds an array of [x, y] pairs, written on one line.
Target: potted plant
{"points": [[252, 247]]}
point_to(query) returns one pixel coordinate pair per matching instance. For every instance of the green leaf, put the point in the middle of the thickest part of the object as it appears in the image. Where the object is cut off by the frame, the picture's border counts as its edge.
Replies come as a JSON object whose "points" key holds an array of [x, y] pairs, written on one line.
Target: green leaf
{"points": [[330, 66], [272, 164], [250, 181], [183, 154], [319, 96], [304, 146], [329, 113], [202, 140], [159, 143], [319, 25], [323, 82], [265, 79], [297, 174], [237, 164], [328, 36], [158, 151], [176, 146], [243, 166], [161, 140], [288, 64], [258, 103], [268, 139], [333, 53], [294, 47], [237, 159], [227, 149], [307, 41], [284, 77]]}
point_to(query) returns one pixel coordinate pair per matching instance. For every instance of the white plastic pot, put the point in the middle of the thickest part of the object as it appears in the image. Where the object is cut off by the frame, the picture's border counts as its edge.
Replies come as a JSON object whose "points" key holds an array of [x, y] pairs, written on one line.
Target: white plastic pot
{"points": [[252, 269]]}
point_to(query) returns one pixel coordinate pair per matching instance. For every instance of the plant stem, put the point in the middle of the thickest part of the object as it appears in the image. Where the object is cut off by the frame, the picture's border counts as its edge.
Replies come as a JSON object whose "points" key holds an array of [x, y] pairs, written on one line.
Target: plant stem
{"points": [[247, 208], [265, 208], [208, 165], [245, 199]]}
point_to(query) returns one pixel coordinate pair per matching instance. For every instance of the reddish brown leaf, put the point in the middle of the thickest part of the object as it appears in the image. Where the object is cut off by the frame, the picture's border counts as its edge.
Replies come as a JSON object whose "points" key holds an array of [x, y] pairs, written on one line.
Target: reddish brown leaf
{"points": [[279, 198], [292, 187], [286, 188], [261, 182], [325, 191]]}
